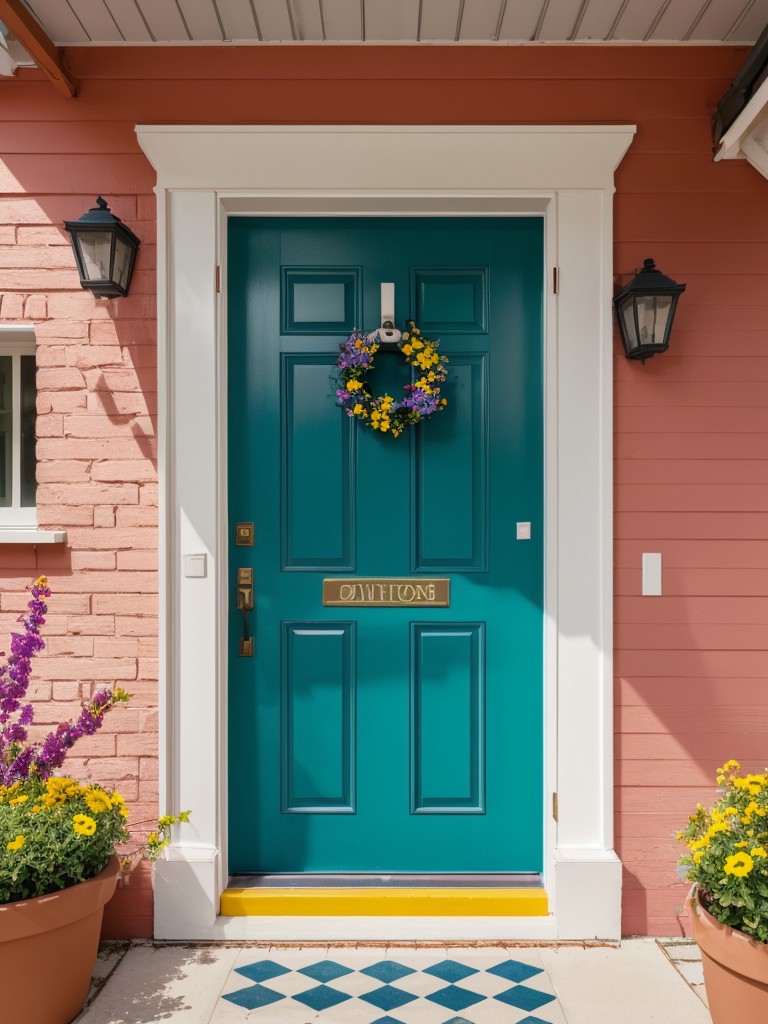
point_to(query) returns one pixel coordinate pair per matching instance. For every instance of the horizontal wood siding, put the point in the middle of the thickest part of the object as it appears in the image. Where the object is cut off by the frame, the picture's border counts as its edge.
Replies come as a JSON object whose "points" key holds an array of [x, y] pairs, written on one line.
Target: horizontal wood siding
{"points": [[691, 481], [691, 426]]}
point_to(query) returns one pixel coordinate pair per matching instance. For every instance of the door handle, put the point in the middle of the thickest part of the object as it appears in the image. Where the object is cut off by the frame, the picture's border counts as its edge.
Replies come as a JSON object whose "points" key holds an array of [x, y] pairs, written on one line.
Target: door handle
{"points": [[245, 604]]}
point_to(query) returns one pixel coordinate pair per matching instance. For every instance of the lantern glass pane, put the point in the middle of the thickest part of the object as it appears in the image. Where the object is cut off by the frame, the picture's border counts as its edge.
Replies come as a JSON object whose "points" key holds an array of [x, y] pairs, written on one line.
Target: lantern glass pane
{"points": [[627, 313], [652, 318], [123, 255], [96, 247]]}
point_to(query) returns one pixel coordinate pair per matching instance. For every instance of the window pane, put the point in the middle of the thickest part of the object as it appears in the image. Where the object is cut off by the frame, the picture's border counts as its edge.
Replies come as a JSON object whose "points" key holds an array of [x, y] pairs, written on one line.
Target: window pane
{"points": [[6, 430], [28, 416]]}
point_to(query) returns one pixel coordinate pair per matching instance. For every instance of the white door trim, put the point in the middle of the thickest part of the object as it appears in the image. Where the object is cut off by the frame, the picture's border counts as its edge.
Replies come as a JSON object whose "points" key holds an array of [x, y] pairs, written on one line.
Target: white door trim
{"points": [[206, 174]]}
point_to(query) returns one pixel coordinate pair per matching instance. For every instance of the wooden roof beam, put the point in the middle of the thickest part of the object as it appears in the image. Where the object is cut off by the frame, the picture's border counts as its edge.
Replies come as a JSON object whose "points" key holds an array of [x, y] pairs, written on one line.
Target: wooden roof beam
{"points": [[29, 32]]}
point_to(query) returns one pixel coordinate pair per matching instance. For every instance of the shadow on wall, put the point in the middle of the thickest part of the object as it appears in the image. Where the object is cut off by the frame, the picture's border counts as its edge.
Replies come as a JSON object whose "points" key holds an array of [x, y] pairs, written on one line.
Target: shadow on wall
{"points": [[129, 914]]}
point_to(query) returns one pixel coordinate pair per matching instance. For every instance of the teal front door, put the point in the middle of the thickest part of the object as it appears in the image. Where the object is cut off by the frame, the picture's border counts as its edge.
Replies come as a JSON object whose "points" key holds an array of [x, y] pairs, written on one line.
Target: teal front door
{"points": [[386, 739]]}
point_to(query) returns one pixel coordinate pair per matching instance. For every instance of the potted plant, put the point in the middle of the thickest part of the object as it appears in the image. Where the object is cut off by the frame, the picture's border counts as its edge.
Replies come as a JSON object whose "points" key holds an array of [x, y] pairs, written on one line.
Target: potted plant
{"points": [[727, 860], [58, 865]]}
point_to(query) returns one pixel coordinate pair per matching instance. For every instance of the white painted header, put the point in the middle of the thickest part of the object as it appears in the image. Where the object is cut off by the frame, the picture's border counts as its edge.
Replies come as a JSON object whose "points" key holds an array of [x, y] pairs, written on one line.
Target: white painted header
{"points": [[287, 157]]}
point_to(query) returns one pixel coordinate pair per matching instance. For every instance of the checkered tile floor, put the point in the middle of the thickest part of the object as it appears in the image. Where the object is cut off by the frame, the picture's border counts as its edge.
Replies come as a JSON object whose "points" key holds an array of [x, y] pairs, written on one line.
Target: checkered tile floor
{"points": [[343, 986]]}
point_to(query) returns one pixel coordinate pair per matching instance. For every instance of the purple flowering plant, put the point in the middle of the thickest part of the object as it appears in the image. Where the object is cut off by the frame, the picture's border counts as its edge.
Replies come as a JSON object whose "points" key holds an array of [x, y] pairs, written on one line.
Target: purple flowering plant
{"points": [[54, 831], [18, 758], [381, 412]]}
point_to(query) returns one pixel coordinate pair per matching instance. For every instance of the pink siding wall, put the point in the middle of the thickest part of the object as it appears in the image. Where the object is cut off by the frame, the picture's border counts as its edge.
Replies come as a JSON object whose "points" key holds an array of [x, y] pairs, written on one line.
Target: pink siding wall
{"points": [[691, 426]]}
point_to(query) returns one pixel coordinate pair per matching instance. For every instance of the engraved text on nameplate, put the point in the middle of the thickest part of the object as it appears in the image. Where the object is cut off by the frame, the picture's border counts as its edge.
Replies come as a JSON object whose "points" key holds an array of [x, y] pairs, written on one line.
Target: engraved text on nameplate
{"points": [[387, 592]]}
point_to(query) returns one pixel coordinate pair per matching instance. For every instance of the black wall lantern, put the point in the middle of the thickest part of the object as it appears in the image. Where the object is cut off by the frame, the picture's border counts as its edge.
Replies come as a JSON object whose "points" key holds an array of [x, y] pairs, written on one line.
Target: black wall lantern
{"points": [[645, 309], [105, 250]]}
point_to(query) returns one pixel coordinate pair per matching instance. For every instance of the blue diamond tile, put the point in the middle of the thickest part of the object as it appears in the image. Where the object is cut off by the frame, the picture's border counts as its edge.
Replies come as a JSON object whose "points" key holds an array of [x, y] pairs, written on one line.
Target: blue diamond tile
{"points": [[386, 1020], [534, 1020], [325, 970], [524, 998], [387, 970], [387, 997], [456, 998], [262, 970], [321, 997], [458, 1020], [254, 997], [451, 971], [513, 970]]}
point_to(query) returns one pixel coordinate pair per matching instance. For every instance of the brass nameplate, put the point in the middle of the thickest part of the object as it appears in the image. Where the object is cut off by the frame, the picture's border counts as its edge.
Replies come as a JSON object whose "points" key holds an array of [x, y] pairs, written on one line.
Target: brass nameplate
{"points": [[387, 592]]}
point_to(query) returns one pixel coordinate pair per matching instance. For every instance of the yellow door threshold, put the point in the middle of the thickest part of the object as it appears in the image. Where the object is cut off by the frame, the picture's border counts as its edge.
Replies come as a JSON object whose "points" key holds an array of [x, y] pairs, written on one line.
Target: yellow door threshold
{"points": [[384, 902]]}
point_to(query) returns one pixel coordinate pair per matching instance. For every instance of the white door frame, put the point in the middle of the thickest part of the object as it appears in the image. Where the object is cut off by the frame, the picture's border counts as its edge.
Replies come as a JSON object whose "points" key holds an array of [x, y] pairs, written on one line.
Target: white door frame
{"points": [[565, 173]]}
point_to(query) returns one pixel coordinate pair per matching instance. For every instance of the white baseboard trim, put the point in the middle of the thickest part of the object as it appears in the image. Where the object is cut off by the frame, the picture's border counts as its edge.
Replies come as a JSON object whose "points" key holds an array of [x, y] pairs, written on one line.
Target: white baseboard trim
{"points": [[373, 929], [588, 886]]}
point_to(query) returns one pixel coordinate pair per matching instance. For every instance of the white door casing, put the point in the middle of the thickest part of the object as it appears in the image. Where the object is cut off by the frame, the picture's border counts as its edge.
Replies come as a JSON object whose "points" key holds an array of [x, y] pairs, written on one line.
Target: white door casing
{"points": [[565, 173]]}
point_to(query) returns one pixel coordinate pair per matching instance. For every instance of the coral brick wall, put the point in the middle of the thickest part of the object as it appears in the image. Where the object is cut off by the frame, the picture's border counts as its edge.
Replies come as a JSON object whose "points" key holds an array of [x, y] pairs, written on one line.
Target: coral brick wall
{"points": [[691, 470], [96, 476]]}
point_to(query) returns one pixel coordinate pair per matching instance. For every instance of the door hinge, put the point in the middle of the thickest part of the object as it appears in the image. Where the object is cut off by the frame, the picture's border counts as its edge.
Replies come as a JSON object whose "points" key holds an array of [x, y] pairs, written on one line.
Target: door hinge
{"points": [[555, 281], [218, 278], [554, 806]]}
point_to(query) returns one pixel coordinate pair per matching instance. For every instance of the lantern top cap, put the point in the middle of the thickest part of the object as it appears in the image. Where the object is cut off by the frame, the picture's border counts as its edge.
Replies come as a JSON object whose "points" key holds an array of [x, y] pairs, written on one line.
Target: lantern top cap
{"points": [[650, 280], [100, 216]]}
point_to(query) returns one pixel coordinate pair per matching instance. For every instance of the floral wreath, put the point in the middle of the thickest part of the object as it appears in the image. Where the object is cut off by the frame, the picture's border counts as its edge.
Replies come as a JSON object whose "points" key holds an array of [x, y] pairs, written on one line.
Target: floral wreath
{"points": [[382, 412]]}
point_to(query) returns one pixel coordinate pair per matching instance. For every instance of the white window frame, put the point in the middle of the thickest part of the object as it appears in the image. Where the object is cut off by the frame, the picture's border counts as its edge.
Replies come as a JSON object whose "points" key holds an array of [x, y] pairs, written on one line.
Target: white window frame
{"points": [[18, 524]]}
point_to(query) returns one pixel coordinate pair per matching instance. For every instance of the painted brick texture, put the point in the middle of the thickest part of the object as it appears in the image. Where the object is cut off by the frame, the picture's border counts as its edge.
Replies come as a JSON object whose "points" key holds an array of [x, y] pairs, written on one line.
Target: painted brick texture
{"points": [[96, 454], [691, 427]]}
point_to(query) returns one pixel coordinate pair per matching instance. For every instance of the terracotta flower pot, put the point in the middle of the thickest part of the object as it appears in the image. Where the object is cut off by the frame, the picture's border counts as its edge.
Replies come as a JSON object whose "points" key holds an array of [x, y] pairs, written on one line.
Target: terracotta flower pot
{"points": [[48, 947], [735, 969]]}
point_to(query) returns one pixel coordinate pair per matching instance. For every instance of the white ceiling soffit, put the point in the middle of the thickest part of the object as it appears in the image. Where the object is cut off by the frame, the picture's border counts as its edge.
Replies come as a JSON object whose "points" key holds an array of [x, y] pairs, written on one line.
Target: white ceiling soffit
{"points": [[116, 22]]}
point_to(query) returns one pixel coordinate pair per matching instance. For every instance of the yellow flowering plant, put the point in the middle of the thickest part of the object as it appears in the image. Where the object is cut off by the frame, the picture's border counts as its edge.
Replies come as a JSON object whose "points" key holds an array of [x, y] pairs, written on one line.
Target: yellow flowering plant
{"points": [[727, 851], [55, 833]]}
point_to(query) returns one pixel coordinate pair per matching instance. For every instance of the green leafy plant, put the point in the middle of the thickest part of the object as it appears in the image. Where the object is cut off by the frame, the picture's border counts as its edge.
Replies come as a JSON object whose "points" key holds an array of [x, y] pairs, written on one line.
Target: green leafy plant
{"points": [[153, 844], [727, 851], [55, 833]]}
